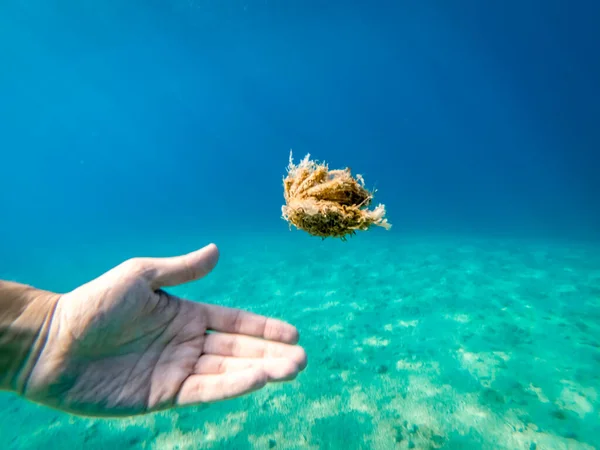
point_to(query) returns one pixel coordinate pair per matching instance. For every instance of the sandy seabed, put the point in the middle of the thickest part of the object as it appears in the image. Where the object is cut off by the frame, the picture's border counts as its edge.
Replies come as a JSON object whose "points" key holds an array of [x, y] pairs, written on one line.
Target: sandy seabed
{"points": [[419, 343]]}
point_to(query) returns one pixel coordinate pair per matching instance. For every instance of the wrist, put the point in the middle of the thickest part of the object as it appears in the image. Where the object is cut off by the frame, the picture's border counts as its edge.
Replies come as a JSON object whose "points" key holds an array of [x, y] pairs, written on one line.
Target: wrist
{"points": [[25, 316]]}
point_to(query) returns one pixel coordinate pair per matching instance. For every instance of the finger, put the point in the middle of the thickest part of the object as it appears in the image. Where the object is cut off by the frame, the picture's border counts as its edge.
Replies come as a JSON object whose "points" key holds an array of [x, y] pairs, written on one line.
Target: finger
{"points": [[212, 388], [277, 369], [232, 320], [239, 346], [182, 269]]}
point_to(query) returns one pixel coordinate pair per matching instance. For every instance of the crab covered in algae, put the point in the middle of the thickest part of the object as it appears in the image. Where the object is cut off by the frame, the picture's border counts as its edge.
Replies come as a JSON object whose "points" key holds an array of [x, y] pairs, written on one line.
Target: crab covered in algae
{"points": [[328, 203]]}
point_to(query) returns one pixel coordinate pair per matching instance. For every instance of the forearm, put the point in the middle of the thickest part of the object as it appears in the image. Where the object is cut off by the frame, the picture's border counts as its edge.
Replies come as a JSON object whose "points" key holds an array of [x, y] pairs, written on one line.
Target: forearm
{"points": [[25, 315]]}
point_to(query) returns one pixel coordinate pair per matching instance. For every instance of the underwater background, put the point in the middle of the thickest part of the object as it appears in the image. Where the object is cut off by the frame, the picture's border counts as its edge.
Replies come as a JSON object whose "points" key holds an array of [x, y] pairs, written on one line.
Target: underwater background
{"points": [[152, 128]]}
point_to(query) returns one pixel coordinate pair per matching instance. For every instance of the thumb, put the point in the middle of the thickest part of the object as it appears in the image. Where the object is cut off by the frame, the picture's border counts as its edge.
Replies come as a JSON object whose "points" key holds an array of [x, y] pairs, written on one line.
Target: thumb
{"points": [[182, 269]]}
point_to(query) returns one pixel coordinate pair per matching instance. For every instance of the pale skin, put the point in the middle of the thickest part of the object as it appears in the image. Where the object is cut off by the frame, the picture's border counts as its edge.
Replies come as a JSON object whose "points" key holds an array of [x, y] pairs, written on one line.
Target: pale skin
{"points": [[121, 345]]}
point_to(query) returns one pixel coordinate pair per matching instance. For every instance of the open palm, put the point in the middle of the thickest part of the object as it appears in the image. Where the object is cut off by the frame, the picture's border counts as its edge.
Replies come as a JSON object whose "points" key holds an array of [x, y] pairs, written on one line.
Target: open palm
{"points": [[121, 345]]}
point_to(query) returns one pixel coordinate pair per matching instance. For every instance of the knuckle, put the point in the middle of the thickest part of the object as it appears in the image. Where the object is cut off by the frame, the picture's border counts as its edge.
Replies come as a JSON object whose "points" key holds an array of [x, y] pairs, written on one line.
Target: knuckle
{"points": [[132, 264], [236, 320], [137, 267], [268, 331], [189, 270], [261, 379]]}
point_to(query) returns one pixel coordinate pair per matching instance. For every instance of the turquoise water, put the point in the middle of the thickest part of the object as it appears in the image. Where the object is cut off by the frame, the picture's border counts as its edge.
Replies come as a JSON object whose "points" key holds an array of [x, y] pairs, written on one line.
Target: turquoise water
{"points": [[152, 128], [413, 342]]}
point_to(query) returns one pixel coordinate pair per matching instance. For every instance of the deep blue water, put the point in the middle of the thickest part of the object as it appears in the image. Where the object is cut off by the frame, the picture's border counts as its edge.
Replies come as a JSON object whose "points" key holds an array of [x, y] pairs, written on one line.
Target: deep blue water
{"points": [[467, 117]]}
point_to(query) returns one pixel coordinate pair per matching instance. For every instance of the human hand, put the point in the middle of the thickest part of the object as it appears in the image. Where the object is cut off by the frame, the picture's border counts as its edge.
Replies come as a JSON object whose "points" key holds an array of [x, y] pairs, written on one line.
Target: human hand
{"points": [[120, 345]]}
